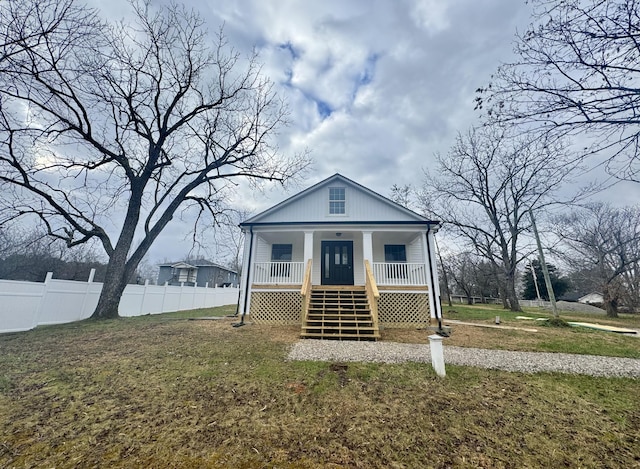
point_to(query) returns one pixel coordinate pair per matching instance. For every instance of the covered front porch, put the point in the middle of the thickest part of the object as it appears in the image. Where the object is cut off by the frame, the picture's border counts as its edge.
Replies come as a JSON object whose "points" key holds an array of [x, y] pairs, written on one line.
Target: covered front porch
{"points": [[397, 259], [390, 267]]}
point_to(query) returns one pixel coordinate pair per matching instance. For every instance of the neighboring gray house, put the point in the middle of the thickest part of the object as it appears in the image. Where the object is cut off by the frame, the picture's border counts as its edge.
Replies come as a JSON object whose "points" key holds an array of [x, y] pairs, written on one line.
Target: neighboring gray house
{"points": [[198, 272]]}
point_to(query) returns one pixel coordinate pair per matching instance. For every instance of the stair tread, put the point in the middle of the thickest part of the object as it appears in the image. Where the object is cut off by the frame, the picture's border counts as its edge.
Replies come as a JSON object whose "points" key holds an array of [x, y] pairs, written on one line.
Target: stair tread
{"points": [[335, 336], [339, 313], [367, 332]]}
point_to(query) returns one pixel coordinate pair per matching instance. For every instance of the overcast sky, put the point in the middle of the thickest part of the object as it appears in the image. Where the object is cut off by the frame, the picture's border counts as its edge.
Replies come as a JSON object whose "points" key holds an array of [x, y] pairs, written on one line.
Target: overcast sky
{"points": [[375, 87]]}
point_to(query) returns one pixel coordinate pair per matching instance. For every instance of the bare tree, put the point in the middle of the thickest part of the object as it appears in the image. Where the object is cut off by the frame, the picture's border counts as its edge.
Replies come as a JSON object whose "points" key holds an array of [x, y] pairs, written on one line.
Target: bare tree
{"points": [[28, 254], [403, 195], [487, 279], [222, 241], [484, 187], [461, 268], [25, 25], [578, 72], [109, 131], [604, 241]]}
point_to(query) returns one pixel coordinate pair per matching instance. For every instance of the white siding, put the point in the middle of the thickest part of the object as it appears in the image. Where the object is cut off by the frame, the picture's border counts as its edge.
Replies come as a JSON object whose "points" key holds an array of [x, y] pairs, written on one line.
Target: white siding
{"points": [[263, 251], [360, 206], [415, 252]]}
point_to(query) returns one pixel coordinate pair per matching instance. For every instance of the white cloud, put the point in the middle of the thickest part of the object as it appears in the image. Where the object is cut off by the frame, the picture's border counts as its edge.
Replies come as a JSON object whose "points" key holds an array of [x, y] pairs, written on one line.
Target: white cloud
{"points": [[376, 87]]}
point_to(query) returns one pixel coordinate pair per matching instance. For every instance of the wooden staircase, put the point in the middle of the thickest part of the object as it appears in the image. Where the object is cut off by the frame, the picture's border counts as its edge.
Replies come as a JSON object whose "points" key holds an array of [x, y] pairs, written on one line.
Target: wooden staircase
{"points": [[339, 312]]}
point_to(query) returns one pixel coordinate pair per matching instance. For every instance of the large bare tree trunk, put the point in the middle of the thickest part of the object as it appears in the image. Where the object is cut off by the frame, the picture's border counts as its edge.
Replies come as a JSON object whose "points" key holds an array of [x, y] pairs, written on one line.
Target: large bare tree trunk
{"points": [[114, 284], [610, 302], [514, 302]]}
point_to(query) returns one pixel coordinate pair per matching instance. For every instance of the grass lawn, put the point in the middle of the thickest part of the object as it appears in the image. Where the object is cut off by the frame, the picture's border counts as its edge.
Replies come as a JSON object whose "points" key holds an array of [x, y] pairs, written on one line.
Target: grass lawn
{"points": [[164, 391], [547, 339]]}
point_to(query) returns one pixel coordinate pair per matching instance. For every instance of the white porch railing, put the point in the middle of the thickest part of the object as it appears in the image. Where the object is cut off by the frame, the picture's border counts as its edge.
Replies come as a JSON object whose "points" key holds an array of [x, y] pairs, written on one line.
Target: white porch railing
{"points": [[400, 273], [280, 273]]}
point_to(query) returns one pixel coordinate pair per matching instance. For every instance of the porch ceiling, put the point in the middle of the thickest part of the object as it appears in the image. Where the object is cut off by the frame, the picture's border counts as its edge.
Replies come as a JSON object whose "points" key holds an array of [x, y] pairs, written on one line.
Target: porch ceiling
{"points": [[394, 237], [281, 237]]}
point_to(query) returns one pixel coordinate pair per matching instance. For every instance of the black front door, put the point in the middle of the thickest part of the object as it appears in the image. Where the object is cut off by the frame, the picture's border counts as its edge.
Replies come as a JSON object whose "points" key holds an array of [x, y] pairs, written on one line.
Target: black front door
{"points": [[337, 263]]}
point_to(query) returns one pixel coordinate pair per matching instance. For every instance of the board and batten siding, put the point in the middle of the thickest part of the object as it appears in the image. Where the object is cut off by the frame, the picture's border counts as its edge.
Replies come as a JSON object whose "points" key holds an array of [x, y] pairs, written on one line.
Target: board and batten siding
{"points": [[314, 207]]}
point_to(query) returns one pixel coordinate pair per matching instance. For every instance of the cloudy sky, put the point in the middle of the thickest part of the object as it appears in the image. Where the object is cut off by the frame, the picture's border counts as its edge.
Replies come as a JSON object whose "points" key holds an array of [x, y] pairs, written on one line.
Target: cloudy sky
{"points": [[375, 87]]}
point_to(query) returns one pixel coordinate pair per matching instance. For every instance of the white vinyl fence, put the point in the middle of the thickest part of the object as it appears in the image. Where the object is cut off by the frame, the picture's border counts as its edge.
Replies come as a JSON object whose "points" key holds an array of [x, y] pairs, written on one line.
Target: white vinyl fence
{"points": [[25, 305]]}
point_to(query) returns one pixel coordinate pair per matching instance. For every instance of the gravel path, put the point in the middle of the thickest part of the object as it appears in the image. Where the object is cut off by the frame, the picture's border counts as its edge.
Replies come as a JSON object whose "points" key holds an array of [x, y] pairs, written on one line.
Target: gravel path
{"points": [[524, 362]]}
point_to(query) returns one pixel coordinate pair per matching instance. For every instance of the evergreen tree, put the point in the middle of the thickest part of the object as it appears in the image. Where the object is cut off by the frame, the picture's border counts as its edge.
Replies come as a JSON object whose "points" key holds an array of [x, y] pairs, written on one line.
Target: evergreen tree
{"points": [[560, 284]]}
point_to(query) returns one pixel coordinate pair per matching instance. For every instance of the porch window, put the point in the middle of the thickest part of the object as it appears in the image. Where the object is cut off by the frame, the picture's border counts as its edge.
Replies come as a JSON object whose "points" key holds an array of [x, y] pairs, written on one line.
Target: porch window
{"points": [[281, 253], [337, 201], [394, 254]]}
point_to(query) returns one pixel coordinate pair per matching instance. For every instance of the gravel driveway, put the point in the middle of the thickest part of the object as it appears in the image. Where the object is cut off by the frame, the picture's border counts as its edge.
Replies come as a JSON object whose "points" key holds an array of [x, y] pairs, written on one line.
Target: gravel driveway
{"points": [[524, 362]]}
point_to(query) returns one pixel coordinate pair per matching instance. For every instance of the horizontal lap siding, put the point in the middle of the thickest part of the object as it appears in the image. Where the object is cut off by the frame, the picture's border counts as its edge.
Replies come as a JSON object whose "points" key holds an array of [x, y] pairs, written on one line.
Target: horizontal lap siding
{"points": [[415, 253], [263, 251]]}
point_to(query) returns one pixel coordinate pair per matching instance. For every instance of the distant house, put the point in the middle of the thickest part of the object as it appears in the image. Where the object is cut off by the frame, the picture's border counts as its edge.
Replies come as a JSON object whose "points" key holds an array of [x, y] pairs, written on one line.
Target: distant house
{"points": [[199, 272], [341, 261], [593, 298]]}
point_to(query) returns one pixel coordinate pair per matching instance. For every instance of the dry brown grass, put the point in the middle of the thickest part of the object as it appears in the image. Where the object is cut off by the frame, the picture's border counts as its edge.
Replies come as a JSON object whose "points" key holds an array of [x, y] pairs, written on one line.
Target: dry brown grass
{"points": [[160, 393]]}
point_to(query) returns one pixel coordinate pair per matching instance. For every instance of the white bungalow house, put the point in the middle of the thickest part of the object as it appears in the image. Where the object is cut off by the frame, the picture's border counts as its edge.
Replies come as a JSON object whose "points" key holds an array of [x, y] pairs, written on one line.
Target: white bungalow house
{"points": [[593, 298], [340, 260]]}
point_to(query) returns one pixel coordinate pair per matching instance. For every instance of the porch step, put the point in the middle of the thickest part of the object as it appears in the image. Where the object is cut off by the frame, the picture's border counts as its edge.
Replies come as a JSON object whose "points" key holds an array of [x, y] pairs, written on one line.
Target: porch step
{"points": [[341, 313]]}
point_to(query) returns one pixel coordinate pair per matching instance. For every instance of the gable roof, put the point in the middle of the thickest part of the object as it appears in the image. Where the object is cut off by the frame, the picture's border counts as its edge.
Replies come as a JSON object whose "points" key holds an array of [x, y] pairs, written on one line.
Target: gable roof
{"points": [[400, 214], [194, 264]]}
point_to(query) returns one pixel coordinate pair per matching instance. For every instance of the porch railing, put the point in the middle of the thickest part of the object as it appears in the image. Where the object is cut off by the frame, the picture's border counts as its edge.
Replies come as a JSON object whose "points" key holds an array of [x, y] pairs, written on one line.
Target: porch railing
{"points": [[373, 295], [400, 273], [306, 293], [280, 273]]}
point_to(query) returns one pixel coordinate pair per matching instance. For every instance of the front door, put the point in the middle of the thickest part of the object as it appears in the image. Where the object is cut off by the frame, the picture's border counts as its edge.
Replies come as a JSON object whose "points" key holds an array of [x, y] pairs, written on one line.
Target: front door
{"points": [[337, 263]]}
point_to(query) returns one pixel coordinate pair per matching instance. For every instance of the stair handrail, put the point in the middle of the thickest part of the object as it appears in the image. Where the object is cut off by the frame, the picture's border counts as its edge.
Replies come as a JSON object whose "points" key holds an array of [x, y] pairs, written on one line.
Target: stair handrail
{"points": [[372, 293], [306, 292]]}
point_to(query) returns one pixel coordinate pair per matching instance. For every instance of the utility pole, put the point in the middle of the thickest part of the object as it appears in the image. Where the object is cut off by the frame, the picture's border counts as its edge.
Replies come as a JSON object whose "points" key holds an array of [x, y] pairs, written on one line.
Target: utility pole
{"points": [[535, 281], [444, 275], [543, 265]]}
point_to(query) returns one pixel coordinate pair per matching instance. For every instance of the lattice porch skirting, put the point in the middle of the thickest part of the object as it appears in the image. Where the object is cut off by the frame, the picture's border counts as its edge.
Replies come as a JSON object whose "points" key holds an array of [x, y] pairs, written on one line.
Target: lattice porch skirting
{"points": [[276, 307], [395, 309], [403, 309]]}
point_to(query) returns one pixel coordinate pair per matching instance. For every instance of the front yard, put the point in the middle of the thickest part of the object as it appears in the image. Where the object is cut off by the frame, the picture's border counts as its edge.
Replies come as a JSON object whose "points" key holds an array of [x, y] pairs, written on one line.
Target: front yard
{"points": [[169, 392]]}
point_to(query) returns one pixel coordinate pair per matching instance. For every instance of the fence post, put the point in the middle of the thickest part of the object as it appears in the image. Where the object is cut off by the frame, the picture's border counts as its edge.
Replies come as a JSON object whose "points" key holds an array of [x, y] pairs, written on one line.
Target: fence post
{"points": [[42, 298], [144, 298], [87, 286]]}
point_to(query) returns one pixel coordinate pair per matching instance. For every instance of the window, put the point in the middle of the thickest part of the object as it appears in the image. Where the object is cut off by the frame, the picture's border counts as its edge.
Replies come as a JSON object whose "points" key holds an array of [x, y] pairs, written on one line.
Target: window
{"points": [[396, 254], [281, 253], [336, 201]]}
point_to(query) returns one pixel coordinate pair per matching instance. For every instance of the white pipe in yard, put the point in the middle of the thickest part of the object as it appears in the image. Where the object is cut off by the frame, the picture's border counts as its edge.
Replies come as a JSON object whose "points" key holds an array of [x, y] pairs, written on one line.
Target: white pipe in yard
{"points": [[437, 354]]}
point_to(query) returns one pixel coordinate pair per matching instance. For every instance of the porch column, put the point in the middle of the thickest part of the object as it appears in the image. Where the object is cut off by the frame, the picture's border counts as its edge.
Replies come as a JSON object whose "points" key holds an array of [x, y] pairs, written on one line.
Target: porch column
{"points": [[308, 246], [367, 247]]}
